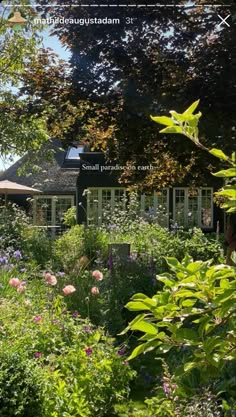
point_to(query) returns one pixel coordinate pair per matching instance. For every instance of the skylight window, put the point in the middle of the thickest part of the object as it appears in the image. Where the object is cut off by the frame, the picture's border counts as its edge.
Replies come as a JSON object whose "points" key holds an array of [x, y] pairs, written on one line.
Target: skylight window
{"points": [[74, 151]]}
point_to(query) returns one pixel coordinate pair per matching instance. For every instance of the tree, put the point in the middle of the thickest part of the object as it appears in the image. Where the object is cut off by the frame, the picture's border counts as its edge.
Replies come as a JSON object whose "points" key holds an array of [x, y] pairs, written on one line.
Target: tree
{"points": [[128, 71], [19, 131]]}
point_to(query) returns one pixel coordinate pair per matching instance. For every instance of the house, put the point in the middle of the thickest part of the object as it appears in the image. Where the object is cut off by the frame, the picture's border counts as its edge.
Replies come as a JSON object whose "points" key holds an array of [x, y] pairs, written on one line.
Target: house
{"points": [[78, 177]]}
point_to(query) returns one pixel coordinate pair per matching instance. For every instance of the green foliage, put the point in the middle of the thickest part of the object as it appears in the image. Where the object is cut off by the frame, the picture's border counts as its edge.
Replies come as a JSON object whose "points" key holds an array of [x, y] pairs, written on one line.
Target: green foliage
{"points": [[187, 125], [36, 245], [202, 247], [82, 373], [21, 390], [204, 404], [70, 217], [195, 311], [13, 221], [78, 242], [18, 128]]}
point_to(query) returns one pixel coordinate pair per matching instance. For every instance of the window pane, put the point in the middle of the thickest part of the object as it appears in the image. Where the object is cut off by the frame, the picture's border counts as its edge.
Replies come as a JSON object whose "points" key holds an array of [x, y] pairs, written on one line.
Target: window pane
{"points": [[206, 215], [162, 208], [192, 218], [62, 204], [43, 215], [149, 204], [92, 206], [180, 206]]}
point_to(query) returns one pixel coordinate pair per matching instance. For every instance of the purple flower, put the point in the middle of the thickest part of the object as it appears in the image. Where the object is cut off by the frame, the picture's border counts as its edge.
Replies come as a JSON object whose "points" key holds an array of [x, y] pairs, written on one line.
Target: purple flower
{"points": [[37, 319], [88, 351], [17, 254], [75, 314], [37, 354], [3, 260], [121, 352], [87, 329], [60, 274]]}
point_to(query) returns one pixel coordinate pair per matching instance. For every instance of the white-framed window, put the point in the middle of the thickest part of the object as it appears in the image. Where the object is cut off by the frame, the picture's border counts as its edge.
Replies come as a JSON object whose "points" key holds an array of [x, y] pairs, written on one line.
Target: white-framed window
{"points": [[100, 201], [156, 205], [49, 210], [193, 207]]}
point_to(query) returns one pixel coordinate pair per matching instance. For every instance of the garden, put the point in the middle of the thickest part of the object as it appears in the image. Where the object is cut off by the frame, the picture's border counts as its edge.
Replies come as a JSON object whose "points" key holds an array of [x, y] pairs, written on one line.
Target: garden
{"points": [[114, 314], [86, 331]]}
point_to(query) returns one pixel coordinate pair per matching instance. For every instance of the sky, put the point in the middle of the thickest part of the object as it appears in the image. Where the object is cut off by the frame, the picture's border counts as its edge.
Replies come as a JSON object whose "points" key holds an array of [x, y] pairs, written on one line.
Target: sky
{"points": [[54, 43]]}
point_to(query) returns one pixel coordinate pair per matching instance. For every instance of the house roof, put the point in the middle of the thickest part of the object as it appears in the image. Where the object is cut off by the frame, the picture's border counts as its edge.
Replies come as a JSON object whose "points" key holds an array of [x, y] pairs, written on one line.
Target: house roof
{"points": [[53, 178]]}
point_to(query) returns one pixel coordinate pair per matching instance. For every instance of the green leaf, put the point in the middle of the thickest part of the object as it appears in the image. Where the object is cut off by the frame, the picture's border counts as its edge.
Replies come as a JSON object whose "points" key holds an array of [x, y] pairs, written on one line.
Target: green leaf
{"points": [[136, 306], [228, 192], [163, 120], [187, 334], [139, 296], [173, 129], [190, 110], [174, 264], [166, 280], [189, 365], [144, 327], [137, 351], [189, 303], [219, 154], [225, 173], [135, 320], [144, 347]]}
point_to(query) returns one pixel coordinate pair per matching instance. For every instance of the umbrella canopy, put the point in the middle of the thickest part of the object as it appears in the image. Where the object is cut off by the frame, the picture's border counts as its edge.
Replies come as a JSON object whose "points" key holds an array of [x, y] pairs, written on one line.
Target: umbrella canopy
{"points": [[9, 187]]}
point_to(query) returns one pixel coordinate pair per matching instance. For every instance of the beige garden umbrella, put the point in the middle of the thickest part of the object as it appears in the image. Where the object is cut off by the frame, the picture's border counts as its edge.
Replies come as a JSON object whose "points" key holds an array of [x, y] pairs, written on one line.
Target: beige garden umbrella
{"points": [[11, 188]]}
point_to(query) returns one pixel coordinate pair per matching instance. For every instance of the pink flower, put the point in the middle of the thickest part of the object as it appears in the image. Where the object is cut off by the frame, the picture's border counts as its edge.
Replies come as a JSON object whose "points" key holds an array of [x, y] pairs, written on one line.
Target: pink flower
{"points": [[14, 282], [69, 289], [21, 288], [94, 290], [37, 319], [37, 354], [166, 388], [52, 280], [47, 276], [97, 275]]}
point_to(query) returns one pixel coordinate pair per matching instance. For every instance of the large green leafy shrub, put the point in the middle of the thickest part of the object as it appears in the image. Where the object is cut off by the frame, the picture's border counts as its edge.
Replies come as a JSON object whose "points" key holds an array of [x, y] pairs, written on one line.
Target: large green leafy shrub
{"points": [[193, 318], [77, 242], [37, 245]]}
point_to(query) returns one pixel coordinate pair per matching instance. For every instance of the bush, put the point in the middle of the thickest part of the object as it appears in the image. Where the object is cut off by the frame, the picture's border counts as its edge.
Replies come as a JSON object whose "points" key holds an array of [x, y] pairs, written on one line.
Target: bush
{"points": [[20, 386], [13, 220], [79, 242], [37, 246], [201, 247]]}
